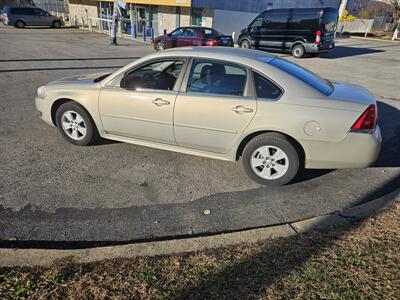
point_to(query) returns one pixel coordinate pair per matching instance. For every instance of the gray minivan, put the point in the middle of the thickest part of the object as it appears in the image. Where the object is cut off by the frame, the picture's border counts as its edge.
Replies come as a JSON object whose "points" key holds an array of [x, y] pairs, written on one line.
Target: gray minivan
{"points": [[29, 16]]}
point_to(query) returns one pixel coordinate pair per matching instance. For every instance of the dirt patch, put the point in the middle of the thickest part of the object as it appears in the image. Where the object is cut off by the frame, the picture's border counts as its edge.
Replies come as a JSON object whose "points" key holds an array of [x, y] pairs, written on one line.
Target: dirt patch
{"points": [[353, 261]]}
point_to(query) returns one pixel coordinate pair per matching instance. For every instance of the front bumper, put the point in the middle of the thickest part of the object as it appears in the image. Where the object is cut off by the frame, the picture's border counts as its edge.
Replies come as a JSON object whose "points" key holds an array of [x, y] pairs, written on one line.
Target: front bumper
{"points": [[356, 150], [44, 108]]}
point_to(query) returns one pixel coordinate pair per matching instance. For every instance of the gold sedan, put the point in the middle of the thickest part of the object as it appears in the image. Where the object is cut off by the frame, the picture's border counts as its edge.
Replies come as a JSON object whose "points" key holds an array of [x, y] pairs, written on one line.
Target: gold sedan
{"points": [[222, 103]]}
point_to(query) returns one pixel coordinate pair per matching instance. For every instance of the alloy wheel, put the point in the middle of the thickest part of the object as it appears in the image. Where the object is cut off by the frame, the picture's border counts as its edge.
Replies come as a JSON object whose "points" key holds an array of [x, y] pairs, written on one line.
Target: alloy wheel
{"points": [[269, 162], [73, 125]]}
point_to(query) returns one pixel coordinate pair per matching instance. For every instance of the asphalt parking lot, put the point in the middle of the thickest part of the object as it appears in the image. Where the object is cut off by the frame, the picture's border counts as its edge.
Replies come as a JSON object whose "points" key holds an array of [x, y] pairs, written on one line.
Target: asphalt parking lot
{"points": [[53, 191]]}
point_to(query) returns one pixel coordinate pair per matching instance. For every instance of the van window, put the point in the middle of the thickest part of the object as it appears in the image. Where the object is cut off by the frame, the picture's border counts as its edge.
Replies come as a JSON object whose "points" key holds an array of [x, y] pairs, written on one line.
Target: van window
{"points": [[275, 21], [258, 22], [303, 22], [329, 22], [306, 76]]}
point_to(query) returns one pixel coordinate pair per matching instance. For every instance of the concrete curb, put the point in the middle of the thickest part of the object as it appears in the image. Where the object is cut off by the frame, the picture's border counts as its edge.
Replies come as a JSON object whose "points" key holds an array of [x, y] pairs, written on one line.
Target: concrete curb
{"points": [[45, 257]]}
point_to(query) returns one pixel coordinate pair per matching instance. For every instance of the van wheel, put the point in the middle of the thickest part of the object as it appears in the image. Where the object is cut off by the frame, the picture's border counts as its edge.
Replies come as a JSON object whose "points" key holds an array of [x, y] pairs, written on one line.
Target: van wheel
{"points": [[19, 24], [298, 51], [245, 44], [56, 24], [271, 159]]}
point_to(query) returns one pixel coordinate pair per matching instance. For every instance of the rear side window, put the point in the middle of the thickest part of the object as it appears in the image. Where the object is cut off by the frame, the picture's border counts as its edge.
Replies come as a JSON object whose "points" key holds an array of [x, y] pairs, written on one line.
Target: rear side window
{"points": [[265, 89], [21, 11], [217, 78], [307, 76]]}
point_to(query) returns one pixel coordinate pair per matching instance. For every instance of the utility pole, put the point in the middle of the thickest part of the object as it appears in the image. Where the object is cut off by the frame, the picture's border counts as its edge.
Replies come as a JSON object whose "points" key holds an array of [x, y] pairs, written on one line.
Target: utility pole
{"points": [[342, 7]]}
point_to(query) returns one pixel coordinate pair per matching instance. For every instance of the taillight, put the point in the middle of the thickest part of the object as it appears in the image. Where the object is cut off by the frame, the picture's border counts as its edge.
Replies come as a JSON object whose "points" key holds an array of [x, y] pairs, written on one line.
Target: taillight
{"points": [[317, 37], [367, 121], [211, 43]]}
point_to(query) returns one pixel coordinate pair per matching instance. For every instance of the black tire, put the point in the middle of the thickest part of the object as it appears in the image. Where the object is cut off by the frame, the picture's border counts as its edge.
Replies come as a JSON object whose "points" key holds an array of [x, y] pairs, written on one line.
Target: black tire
{"points": [[91, 136], [298, 51], [275, 141], [160, 46], [56, 24], [245, 44], [19, 24]]}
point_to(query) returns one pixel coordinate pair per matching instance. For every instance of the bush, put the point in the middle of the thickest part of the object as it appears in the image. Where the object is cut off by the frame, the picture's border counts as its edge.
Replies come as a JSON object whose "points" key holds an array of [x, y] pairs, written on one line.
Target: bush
{"points": [[346, 17]]}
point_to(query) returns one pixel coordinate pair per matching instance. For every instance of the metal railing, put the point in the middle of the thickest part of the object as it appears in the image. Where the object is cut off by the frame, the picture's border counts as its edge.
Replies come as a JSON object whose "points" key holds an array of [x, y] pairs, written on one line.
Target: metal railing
{"points": [[125, 28], [366, 26]]}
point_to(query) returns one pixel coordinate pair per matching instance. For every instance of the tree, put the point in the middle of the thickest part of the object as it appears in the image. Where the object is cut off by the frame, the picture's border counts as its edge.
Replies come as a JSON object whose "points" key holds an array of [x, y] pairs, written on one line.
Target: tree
{"points": [[375, 9]]}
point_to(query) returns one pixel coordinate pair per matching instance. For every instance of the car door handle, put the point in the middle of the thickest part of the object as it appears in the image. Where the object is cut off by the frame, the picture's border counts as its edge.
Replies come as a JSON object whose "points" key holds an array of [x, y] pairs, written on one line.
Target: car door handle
{"points": [[160, 102], [240, 109]]}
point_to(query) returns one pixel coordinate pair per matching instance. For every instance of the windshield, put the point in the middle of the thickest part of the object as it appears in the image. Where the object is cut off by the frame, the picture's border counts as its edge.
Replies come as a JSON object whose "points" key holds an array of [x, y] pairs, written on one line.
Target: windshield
{"points": [[318, 83]]}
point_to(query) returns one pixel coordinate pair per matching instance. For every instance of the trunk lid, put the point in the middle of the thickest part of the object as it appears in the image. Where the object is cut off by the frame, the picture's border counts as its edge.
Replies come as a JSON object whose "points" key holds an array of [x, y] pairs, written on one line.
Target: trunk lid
{"points": [[352, 93]]}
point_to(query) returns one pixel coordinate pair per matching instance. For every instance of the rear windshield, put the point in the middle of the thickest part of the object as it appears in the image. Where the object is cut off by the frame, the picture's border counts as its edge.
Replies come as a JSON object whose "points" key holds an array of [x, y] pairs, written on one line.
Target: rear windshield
{"points": [[211, 32], [318, 83], [329, 22]]}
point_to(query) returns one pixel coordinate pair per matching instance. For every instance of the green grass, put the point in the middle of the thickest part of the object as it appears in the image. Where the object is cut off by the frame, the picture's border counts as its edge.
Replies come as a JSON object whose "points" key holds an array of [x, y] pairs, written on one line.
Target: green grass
{"points": [[359, 261]]}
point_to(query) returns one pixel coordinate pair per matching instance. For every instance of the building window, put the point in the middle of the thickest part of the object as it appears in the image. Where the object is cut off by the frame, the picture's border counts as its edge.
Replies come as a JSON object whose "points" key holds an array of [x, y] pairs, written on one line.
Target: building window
{"points": [[197, 17]]}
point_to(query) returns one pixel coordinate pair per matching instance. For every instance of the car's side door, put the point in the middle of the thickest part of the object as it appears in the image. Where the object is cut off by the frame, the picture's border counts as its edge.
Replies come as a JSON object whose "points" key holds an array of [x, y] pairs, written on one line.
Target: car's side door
{"points": [[213, 109], [189, 37], [255, 31], [274, 34], [175, 38], [43, 17], [139, 103]]}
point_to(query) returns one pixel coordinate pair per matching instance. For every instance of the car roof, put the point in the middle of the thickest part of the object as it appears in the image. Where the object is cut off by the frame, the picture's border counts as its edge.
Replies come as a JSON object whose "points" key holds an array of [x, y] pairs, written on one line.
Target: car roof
{"points": [[219, 52]]}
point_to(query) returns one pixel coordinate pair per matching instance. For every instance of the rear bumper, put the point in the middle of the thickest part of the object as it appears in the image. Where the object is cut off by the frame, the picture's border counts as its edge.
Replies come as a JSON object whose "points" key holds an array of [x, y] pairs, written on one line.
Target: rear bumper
{"points": [[314, 48], [356, 150]]}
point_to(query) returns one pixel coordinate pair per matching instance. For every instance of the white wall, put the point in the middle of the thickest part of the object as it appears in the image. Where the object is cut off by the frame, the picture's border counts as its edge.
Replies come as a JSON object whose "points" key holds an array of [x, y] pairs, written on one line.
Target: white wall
{"points": [[228, 21]]}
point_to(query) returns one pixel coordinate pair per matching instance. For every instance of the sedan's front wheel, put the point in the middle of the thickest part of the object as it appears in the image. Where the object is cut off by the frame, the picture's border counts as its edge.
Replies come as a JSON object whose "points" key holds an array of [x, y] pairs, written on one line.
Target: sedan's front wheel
{"points": [[271, 159], [76, 125]]}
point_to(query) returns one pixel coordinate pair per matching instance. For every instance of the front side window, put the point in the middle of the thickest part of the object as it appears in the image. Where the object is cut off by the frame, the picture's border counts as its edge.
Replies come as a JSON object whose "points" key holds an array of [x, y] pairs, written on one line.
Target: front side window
{"points": [[217, 78], [178, 32], [160, 75], [265, 89], [257, 22]]}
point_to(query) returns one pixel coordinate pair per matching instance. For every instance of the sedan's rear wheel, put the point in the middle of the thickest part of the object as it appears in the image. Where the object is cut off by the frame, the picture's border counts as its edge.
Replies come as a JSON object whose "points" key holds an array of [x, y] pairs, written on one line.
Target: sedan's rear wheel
{"points": [[76, 125], [271, 159]]}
